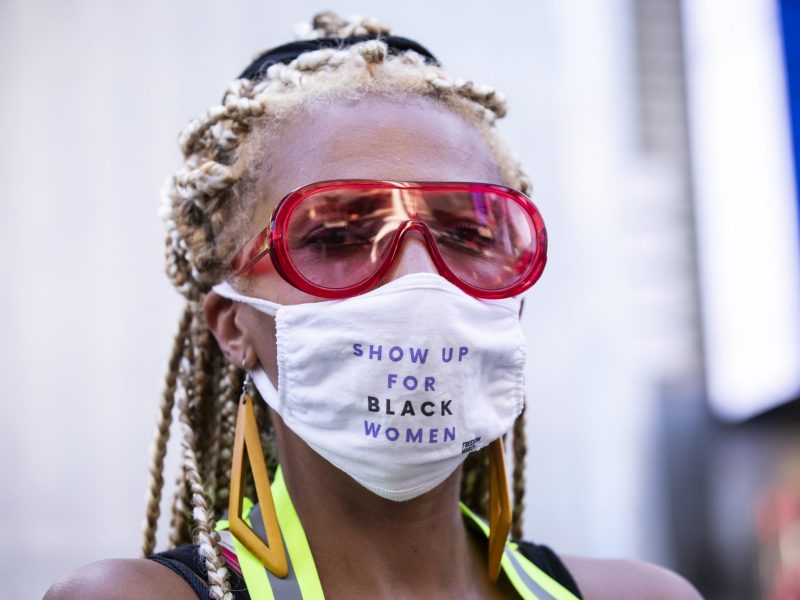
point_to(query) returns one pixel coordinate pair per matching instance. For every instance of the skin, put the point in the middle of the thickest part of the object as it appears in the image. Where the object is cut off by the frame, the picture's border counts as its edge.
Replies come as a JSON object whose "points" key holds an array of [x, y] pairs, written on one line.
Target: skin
{"points": [[431, 554]]}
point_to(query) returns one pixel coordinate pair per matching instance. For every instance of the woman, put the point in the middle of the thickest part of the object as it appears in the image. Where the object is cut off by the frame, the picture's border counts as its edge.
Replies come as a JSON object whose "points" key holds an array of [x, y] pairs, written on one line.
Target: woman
{"points": [[352, 315]]}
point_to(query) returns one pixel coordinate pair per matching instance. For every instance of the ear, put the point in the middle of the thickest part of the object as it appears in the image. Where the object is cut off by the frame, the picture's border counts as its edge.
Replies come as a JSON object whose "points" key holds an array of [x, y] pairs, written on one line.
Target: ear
{"points": [[222, 317]]}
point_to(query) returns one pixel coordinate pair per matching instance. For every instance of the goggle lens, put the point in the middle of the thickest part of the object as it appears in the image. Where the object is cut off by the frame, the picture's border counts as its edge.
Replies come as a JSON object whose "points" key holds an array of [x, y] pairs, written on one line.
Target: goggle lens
{"points": [[337, 238], [482, 236]]}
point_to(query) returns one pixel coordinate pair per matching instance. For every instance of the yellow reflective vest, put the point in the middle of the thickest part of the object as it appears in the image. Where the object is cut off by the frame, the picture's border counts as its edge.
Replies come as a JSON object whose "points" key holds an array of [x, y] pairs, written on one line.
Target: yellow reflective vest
{"points": [[302, 583]]}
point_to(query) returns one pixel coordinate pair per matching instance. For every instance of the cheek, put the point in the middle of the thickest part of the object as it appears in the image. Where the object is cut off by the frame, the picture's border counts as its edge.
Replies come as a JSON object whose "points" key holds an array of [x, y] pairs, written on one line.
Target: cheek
{"points": [[272, 286]]}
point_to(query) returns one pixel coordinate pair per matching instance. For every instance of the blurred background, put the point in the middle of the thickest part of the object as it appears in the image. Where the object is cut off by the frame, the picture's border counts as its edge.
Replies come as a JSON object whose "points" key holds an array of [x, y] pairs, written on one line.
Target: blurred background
{"points": [[662, 138]]}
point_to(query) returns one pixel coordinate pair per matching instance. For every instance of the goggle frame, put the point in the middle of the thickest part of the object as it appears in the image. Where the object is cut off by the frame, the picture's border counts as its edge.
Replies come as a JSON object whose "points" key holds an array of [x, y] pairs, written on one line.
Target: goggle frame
{"points": [[272, 240]]}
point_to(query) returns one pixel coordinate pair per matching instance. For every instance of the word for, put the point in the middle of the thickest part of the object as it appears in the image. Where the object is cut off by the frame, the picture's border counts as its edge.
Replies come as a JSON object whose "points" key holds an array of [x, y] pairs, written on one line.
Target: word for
{"points": [[415, 355], [411, 383], [427, 408], [411, 435]]}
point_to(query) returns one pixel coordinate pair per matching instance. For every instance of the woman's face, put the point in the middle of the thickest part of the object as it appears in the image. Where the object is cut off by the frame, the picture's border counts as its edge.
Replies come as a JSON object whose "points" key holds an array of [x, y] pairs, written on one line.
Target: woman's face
{"points": [[411, 139]]}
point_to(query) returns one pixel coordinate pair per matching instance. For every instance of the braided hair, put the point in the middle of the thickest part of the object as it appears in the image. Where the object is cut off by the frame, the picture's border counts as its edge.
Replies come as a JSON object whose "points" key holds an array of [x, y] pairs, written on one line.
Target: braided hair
{"points": [[205, 214]]}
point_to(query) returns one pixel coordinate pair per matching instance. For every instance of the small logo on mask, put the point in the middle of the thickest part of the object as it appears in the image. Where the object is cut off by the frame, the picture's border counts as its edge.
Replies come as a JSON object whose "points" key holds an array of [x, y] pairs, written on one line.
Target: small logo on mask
{"points": [[470, 445]]}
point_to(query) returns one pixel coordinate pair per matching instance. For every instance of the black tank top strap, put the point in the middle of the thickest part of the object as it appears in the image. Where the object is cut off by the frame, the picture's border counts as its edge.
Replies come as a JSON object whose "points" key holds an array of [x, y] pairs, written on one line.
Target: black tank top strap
{"points": [[549, 562], [186, 561]]}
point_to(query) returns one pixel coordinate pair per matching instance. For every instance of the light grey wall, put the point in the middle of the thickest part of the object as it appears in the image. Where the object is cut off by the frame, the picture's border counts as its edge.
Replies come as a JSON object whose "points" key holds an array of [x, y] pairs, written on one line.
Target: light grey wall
{"points": [[93, 96]]}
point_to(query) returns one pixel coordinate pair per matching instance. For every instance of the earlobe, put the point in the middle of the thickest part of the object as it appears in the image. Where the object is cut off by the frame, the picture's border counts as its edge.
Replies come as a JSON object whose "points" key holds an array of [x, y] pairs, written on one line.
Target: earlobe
{"points": [[220, 314]]}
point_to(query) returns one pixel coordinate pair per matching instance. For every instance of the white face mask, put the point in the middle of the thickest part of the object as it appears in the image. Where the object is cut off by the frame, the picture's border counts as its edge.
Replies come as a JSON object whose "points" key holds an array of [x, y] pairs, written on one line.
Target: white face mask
{"points": [[396, 386]]}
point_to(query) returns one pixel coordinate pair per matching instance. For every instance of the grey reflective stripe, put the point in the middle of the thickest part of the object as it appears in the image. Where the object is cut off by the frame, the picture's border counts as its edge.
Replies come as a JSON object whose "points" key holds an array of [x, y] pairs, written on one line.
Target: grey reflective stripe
{"points": [[474, 521], [531, 584], [283, 589]]}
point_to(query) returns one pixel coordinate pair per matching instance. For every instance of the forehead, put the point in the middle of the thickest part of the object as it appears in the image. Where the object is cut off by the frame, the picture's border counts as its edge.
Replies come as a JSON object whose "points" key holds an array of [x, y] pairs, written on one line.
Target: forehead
{"points": [[411, 139]]}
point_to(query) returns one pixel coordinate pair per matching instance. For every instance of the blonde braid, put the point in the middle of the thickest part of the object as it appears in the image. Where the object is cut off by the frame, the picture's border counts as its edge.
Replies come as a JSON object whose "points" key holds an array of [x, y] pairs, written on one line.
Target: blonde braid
{"points": [[180, 532], [205, 537], [227, 407], [238, 107], [200, 384], [159, 447], [327, 24], [213, 429], [518, 477]]}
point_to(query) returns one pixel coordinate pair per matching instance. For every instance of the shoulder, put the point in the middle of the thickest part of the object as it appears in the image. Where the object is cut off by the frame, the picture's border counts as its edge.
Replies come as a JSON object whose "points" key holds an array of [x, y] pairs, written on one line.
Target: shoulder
{"points": [[121, 579], [627, 580]]}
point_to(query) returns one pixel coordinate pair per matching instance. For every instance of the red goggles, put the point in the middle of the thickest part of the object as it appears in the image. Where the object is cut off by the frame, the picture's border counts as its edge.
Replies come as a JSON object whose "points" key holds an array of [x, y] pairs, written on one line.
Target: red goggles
{"points": [[336, 239]]}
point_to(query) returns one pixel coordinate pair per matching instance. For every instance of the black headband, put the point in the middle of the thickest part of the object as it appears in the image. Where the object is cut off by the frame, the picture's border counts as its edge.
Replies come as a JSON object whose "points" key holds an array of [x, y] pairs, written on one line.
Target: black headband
{"points": [[288, 52]]}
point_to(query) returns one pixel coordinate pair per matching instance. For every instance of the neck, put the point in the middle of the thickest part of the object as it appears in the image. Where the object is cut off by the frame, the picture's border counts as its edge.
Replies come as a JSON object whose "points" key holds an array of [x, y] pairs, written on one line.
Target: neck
{"points": [[368, 546]]}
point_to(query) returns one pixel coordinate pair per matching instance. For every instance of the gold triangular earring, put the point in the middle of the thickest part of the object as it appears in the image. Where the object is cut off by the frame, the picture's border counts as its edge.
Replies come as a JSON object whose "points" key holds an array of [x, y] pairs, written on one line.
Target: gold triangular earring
{"points": [[499, 507], [247, 443]]}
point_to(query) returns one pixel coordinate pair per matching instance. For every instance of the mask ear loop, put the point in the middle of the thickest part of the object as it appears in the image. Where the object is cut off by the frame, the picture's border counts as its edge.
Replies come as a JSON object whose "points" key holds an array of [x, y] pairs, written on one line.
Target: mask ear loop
{"points": [[248, 444], [499, 507]]}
